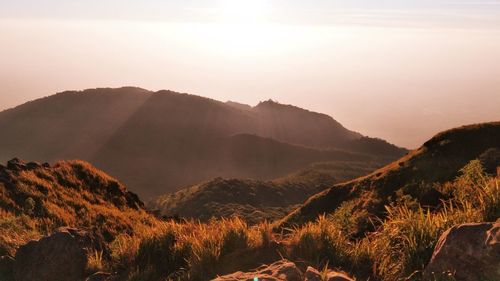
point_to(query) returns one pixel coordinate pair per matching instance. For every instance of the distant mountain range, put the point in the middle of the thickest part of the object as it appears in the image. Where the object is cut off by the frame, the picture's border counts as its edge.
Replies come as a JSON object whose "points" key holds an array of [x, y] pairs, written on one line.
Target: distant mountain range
{"points": [[157, 142], [356, 185]]}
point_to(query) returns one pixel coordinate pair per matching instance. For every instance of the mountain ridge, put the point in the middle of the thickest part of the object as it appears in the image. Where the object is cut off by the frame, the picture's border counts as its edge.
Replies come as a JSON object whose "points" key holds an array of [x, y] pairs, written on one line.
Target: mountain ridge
{"points": [[254, 200], [437, 161], [168, 134]]}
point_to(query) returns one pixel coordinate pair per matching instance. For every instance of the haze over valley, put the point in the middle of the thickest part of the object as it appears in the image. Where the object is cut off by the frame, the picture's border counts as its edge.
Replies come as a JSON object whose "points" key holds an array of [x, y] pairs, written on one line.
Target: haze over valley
{"points": [[238, 140], [398, 70]]}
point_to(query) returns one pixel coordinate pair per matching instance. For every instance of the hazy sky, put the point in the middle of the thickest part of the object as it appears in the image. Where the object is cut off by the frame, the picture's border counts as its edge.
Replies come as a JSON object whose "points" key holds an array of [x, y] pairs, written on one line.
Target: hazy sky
{"points": [[399, 70]]}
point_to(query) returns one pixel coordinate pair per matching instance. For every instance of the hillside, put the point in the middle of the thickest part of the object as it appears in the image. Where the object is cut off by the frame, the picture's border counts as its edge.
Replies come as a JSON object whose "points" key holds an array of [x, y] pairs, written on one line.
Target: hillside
{"points": [[158, 142], [35, 199], [254, 200], [130, 244], [438, 160], [119, 241]]}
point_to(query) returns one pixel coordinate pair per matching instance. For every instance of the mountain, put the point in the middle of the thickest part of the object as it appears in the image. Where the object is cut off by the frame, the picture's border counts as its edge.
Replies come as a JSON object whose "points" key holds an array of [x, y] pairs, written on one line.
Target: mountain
{"points": [[414, 175], [255, 200], [111, 236], [158, 142], [38, 198]]}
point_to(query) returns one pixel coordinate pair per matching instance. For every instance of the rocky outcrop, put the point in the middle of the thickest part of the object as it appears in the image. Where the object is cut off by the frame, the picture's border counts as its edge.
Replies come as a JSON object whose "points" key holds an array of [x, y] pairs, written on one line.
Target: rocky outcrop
{"points": [[467, 252], [61, 256], [283, 270], [278, 271]]}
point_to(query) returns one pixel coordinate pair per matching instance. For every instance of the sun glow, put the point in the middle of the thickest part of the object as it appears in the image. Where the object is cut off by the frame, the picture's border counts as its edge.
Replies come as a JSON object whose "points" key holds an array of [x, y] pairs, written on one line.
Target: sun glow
{"points": [[243, 11]]}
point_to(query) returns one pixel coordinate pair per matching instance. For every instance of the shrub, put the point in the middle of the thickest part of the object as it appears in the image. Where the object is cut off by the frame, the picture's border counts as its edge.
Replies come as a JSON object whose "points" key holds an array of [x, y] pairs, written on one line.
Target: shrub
{"points": [[204, 262], [29, 206], [320, 242], [162, 253], [266, 234], [235, 236], [123, 251], [350, 219], [95, 262], [474, 188]]}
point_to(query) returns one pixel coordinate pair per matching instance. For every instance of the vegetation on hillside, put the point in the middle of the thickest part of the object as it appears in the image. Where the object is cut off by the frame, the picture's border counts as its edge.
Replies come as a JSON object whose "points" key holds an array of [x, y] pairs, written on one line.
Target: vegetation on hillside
{"points": [[254, 200], [142, 247], [437, 161], [402, 242], [380, 227], [36, 199], [399, 247]]}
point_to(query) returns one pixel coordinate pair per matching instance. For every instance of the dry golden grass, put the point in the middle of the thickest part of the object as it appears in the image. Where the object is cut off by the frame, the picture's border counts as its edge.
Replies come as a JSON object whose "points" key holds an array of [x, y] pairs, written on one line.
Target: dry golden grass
{"points": [[144, 248], [403, 243], [34, 202], [16, 231], [189, 249]]}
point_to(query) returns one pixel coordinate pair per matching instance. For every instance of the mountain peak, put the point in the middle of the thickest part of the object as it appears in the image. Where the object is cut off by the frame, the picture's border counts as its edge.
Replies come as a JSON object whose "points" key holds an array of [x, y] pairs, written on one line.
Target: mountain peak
{"points": [[169, 132], [269, 102], [273, 104]]}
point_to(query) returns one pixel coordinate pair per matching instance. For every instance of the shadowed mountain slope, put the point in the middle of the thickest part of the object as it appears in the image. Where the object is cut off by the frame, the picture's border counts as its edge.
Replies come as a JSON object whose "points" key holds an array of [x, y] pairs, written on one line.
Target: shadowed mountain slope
{"points": [[437, 161], [254, 200], [160, 141]]}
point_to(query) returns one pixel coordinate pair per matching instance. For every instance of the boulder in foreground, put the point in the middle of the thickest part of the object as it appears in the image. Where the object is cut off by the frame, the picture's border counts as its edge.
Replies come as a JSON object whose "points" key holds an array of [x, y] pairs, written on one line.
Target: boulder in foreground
{"points": [[61, 256], [278, 271], [283, 270], [467, 252]]}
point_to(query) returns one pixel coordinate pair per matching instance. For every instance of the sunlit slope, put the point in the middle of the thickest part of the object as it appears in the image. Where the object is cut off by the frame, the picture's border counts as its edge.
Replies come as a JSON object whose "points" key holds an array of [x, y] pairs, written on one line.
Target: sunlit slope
{"points": [[438, 160], [36, 199]]}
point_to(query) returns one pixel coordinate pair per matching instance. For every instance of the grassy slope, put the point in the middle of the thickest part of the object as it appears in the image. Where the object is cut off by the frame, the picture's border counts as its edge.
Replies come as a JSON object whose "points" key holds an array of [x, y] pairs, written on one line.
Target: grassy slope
{"points": [[438, 160], [146, 249], [401, 245], [255, 200], [36, 199]]}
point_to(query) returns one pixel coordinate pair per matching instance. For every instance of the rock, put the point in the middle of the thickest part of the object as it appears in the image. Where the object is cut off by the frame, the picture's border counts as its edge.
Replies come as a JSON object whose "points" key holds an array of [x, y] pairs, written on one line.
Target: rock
{"points": [[6, 267], [33, 165], [313, 275], [61, 256], [16, 164], [337, 276], [100, 276], [283, 271], [279, 271], [467, 252], [490, 159]]}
